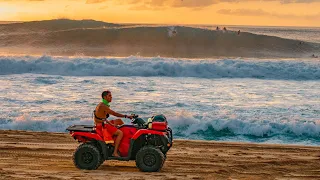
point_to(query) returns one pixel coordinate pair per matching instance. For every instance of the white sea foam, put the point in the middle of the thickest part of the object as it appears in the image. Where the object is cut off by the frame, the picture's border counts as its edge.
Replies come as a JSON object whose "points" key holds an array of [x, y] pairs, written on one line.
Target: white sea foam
{"points": [[189, 126], [137, 66]]}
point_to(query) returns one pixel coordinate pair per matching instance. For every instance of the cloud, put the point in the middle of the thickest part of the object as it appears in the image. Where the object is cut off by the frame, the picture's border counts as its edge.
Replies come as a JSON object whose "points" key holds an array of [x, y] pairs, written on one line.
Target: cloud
{"points": [[19, 0], [163, 4], [260, 12], [193, 4], [95, 1], [244, 12], [177, 3], [104, 7], [147, 7], [297, 1]]}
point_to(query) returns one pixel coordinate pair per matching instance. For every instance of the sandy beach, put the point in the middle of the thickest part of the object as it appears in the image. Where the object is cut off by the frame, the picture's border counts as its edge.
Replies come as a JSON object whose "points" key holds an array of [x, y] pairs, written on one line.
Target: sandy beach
{"points": [[44, 155]]}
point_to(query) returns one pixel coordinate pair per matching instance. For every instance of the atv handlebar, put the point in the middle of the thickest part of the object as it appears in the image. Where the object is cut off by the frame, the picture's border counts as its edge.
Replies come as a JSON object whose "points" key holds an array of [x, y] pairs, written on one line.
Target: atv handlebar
{"points": [[134, 116], [137, 121]]}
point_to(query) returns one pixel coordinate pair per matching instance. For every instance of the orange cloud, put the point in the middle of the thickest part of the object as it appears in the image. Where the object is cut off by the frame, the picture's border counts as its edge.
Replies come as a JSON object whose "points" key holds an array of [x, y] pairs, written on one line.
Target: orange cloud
{"points": [[260, 12], [94, 1]]}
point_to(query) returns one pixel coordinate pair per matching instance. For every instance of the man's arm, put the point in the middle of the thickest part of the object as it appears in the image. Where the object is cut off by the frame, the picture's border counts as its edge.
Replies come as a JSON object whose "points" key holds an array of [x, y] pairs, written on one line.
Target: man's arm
{"points": [[109, 111]]}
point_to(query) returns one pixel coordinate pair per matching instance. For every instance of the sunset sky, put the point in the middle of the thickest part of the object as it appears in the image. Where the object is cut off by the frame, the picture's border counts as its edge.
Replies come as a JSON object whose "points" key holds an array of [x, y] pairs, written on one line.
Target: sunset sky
{"points": [[229, 12]]}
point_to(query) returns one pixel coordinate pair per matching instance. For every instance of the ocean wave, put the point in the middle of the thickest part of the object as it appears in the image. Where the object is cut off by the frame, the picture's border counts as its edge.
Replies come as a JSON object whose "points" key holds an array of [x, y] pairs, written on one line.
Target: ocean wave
{"points": [[192, 128], [25, 122], [102, 39], [259, 129], [267, 131], [146, 67], [52, 26]]}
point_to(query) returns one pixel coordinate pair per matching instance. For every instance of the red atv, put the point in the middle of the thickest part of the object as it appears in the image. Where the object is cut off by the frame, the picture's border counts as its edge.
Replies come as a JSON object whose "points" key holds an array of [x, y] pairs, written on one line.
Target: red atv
{"points": [[145, 142]]}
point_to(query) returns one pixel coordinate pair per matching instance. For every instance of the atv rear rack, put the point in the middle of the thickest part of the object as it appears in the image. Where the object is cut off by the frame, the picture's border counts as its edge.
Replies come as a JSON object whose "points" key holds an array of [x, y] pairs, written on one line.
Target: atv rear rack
{"points": [[81, 128]]}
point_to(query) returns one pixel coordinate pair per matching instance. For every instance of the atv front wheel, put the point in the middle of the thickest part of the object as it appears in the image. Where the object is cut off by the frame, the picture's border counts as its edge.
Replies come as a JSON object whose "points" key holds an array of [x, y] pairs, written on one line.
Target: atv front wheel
{"points": [[149, 159], [87, 156]]}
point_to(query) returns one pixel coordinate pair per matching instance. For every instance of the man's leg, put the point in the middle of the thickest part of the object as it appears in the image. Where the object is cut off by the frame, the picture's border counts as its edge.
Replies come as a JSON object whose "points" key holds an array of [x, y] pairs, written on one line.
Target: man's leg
{"points": [[119, 135], [116, 122], [107, 137], [115, 132]]}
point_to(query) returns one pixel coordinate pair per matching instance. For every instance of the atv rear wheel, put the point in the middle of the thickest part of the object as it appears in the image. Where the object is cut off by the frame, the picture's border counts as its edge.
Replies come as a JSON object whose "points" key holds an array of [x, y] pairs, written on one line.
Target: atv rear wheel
{"points": [[87, 156], [149, 159]]}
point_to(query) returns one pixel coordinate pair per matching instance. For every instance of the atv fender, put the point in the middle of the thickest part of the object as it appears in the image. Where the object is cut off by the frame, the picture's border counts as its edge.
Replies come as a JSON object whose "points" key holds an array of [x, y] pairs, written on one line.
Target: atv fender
{"points": [[86, 135]]}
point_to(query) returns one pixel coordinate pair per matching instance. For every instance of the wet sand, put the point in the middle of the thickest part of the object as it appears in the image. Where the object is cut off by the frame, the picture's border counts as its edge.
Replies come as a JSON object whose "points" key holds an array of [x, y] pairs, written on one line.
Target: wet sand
{"points": [[43, 155]]}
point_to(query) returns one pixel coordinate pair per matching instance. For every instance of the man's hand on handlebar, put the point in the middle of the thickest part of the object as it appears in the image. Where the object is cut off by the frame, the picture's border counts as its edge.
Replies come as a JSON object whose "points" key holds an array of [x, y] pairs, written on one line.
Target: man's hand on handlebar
{"points": [[130, 116]]}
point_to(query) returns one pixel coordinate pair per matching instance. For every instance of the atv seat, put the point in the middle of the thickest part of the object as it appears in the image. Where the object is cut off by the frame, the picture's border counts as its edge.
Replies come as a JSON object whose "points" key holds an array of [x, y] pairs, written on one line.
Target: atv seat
{"points": [[125, 125], [82, 128]]}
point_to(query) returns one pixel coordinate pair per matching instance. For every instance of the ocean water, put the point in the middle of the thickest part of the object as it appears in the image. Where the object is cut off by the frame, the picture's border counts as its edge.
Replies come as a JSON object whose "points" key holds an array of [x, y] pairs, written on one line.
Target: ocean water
{"points": [[308, 34], [242, 100], [261, 86]]}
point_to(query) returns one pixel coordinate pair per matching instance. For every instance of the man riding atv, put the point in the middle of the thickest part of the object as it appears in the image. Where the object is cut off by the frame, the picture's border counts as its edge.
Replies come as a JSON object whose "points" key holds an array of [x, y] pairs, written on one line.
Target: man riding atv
{"points": [[108, 127], [146, 142]]}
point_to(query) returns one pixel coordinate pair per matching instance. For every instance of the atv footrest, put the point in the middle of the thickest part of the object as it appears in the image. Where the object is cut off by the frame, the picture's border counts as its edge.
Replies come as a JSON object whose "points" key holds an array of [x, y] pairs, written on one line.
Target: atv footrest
{"points": [[81, 128], [119, 158]]}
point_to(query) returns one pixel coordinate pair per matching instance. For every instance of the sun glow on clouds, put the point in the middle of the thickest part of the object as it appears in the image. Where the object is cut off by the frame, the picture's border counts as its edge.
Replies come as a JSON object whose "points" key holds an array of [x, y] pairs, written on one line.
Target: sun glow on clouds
{"points": [[244, 12], [6, 12]]}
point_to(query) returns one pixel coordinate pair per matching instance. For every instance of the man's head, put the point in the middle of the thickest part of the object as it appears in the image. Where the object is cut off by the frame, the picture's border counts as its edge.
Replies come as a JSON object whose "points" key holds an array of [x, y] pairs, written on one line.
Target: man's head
{"points": [[107, 95]]}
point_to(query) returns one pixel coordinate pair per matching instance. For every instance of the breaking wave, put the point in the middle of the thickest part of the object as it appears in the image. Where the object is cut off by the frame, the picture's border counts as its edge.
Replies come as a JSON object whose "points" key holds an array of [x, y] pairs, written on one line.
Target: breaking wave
{"points": [[93, 38], [192, 128], [255, 131], [146, 67]]}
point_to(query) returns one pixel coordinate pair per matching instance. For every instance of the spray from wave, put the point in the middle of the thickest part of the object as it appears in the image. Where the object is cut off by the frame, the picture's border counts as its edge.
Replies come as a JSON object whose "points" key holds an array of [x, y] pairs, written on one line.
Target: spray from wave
{"points": [[146, 67]]}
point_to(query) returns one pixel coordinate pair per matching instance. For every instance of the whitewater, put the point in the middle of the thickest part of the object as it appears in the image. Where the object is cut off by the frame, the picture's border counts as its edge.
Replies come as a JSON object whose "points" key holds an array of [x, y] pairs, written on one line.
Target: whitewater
{"points": [[223, 99]]}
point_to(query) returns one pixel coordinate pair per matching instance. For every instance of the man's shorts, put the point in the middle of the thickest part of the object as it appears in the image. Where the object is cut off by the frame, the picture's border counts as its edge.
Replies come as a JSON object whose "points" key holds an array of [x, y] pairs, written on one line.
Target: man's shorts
{"points": [[110, 128]]}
